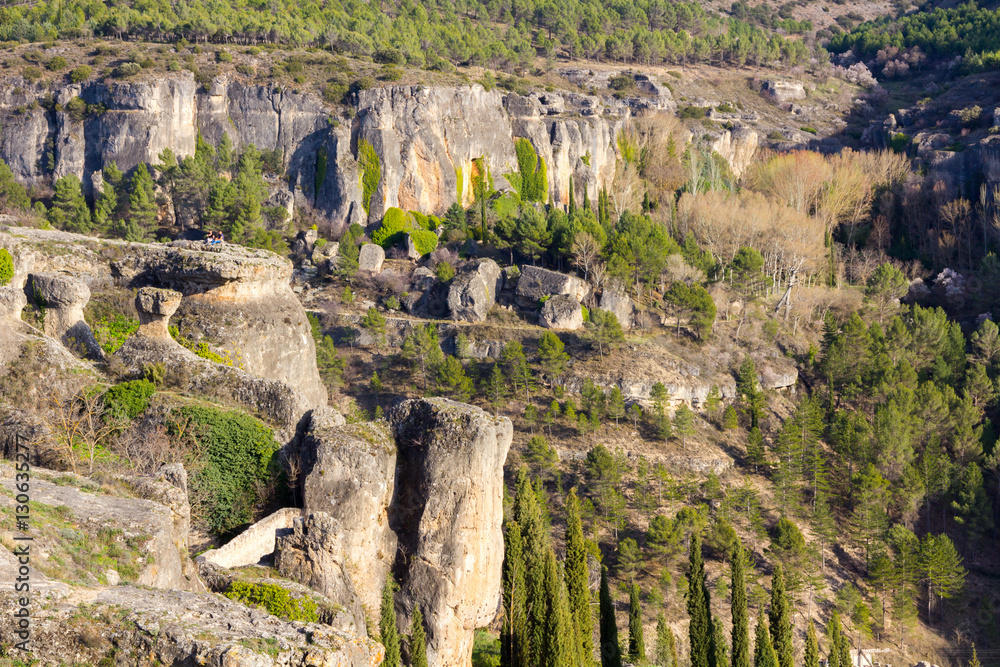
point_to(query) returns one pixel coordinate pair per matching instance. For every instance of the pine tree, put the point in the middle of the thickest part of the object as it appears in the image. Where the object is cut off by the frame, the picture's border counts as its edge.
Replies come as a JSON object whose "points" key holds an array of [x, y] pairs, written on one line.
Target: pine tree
{"points": [[741, 619], [664, 643], [781, 619], [611, 655], [763, 653], [833, 632], [513, 633], [749, 390], [69, 210], [387, 625], [552, 353], [576, 578], [418, 640], [700, 628], [683, 423], [142, 200], [616, 405], [811, 657], [636, 643], [496, 389]]}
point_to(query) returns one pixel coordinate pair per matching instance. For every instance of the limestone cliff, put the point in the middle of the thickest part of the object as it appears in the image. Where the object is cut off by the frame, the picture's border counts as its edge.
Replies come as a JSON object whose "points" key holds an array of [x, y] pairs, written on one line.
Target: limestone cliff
{"points": [[430, 141]]}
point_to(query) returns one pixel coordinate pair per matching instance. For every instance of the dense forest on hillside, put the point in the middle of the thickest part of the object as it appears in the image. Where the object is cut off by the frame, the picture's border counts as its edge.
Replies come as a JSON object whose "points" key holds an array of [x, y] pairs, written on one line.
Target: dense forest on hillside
{"points": [[500, 35]]}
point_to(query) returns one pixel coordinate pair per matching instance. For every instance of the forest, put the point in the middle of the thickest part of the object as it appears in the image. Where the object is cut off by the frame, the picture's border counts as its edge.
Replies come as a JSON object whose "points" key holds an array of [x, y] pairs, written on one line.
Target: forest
{"points": [[497, 34]]}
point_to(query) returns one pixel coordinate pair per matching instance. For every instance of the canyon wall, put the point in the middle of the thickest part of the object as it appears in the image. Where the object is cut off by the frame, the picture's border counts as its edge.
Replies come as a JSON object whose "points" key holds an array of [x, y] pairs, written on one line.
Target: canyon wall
{"points": [[426, 138]]}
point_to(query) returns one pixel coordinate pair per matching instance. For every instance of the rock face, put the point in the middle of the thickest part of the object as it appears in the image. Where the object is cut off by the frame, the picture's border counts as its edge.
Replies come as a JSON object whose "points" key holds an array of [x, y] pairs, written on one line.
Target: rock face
{"points": [[738, 147], [370, 258], [351, 479], [561, 312], [63, 299], [447, 512], [615, 300], [535, 283], [430, 141], [473, 291]]}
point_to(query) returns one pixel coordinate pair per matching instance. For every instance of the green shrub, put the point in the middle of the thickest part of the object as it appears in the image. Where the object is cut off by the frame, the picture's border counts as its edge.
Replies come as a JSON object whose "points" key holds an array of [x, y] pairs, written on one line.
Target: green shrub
{"points": [[444, 271], [899, 142], [77, 109], [126, 70], [425, 242], [810, 130], [223, 56], [128, 400], [237, 462], [621, 82], [112, 331], [275, 599], [6, 267], [371, 172], [56, 64], [693, 113], [31, 73], [80, 74], [393, 225]]}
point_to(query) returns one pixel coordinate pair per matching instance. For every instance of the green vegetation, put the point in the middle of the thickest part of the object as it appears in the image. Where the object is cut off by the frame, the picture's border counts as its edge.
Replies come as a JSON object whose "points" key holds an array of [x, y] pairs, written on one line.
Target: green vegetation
{"points": [[424, 241], [128, 400], [275, 599], [112, 331], [371, 172], [6, 267], [238, 468]]}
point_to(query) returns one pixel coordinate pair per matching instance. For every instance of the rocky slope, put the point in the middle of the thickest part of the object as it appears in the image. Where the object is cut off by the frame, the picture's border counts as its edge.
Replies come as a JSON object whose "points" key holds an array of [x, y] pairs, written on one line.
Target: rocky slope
{"points": [[426, 138]]}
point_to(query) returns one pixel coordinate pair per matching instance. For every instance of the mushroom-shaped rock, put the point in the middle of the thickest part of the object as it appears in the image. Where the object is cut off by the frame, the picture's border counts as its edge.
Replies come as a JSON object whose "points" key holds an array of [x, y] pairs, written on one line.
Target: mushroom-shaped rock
{"points": [[473, 291], [447, 512], [64, 299], [536, 283], [370, 258], [155, 306], [561, 312]]}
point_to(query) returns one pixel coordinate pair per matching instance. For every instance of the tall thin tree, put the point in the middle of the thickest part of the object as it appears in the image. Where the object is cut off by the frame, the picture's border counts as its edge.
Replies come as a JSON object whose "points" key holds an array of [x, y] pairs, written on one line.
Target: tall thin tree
{"points": [[781, 619], [611, 654], [576, 579], [741, 619]]}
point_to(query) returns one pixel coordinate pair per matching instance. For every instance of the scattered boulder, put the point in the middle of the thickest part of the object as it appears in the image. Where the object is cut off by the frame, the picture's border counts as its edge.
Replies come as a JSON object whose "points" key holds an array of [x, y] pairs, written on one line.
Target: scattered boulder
{"points": [[304, 242], [324, 257], [561, 312], [783, 91], [474, 290], [447, 513], [370, 258], [64, 298], [422, 279], [535, 283], [615, 300]]}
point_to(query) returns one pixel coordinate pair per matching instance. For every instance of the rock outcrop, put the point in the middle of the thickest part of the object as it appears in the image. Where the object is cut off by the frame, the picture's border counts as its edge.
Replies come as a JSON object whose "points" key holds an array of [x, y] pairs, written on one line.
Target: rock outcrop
{"points": [[561, 312], [370, 258], [738, 147], [63, 299], [447, 512], [473, 291], [784, 91], [615, 300], [536, 283]]}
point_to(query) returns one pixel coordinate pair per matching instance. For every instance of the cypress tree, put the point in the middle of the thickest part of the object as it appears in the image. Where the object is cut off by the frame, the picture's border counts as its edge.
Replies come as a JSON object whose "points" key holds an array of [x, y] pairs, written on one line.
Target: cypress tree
{"points": [[833, 635], [572, 198], [387, 626], [559, 649], [611, 653], [811, 657], [763, 653], [586, 200], [418, 640], [636, 643], [535, 541], [781, 619], [513, 641], [845, 651], [664, 643], [741, 619], [700, 629], [576, 579], [719, 645]]}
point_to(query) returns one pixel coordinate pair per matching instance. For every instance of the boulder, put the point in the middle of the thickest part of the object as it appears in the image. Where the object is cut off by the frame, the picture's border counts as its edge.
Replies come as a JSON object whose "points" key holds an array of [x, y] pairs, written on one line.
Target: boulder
{"points": [[784, 91], [536, 283], [561, 312], [324, 257], [473, 291], [63, 299], [447, 513], [350, 478], [615, 300], [422, 279], [370, 258]]}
